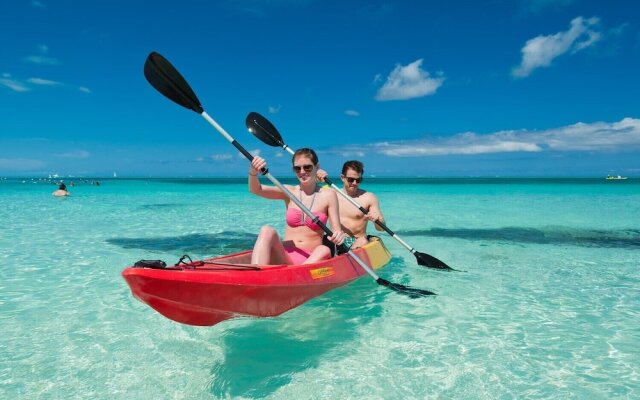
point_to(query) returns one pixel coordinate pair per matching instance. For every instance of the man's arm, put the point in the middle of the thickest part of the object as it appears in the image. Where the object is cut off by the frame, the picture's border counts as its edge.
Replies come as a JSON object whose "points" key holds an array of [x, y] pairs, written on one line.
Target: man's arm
{"points": [[374, 211]]}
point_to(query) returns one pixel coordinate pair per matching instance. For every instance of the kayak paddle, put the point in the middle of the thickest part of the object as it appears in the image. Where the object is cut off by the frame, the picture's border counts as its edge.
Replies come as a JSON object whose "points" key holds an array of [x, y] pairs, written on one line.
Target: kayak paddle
{"points": [[265, 131], [166, 79]]}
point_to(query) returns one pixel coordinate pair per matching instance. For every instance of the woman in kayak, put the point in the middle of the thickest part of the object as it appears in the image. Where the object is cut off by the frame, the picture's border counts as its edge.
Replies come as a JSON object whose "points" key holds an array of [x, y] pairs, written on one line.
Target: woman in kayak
{"points": [[302, 237]]}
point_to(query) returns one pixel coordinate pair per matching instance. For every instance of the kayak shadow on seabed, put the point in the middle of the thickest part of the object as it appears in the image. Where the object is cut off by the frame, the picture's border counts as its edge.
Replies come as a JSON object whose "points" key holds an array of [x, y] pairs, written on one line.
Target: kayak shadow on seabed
{"points": [[266, 354], [614, 238], [197, 244]]}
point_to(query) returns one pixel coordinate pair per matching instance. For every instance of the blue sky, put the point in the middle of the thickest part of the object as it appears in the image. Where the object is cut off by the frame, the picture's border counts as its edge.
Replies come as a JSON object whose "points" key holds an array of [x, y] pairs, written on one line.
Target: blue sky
{"points": [[412, 88]]}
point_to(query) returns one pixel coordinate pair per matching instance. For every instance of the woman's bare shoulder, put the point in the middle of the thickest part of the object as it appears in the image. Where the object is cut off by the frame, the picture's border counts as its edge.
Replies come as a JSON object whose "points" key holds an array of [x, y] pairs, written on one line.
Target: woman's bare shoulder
{"points": [[327, 193]]}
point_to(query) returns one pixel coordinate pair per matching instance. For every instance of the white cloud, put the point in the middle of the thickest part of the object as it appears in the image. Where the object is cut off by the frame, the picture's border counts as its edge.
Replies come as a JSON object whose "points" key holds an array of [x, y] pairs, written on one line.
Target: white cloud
{"points": [[221, 157], [352, 154], [255, 153], [43, 49], [542, 50], [43, 82], [352, 113], [20, 164], [30, 83], [594, 137], [42, 60], [537, 6], [465, 143], [73, 154], [408, 82], [13, 84], [274, 109], [598, 136]]}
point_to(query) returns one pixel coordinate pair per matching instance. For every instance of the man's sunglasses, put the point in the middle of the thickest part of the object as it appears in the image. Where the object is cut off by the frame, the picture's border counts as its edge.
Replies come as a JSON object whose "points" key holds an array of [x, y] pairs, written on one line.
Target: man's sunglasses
{"points": [[351, 180], [306, 168]]}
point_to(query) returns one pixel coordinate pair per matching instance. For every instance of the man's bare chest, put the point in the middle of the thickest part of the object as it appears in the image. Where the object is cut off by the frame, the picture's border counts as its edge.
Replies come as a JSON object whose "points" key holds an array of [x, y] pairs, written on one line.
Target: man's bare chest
{"points": [[348, 210]]}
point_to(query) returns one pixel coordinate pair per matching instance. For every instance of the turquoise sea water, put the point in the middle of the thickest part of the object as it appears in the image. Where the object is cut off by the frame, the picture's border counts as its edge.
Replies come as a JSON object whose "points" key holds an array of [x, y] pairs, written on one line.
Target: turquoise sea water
{"points": [[548, 308]]}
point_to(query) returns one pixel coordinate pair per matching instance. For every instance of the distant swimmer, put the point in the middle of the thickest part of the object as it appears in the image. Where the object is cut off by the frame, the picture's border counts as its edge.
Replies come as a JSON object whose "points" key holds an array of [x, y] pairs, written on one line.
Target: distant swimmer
{"points": [[62, 190]]}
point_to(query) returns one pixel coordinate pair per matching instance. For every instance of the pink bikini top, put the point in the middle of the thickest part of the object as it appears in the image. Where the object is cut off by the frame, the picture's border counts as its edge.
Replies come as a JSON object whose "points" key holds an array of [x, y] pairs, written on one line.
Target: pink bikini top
{"points": [[295, 217]]}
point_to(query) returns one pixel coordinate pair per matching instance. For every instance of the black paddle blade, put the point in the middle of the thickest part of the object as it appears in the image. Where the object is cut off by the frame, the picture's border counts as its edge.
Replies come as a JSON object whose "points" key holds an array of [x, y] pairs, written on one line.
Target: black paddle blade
{"points": [[411, 292], [264, 130], [167, 80], [431, 262]]}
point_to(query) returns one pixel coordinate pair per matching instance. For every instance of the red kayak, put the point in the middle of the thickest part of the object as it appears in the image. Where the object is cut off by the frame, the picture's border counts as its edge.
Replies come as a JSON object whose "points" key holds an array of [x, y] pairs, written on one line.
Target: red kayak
{"points": [[206, 292]]}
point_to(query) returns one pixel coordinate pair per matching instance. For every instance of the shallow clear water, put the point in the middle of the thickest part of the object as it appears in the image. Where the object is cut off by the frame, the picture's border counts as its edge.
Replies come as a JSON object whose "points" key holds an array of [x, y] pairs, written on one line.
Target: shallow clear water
{"points": [[548, 306]]}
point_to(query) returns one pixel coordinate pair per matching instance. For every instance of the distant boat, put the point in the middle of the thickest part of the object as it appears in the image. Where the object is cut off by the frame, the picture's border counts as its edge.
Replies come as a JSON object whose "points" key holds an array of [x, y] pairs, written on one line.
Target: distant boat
{"points": [[114, 175], [615, 178]]}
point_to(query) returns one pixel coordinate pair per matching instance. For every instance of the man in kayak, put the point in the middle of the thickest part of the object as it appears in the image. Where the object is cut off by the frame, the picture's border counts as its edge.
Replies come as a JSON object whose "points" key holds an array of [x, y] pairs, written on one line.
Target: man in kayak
{"points": [[354, 222], [62, 190], [302, 236]]}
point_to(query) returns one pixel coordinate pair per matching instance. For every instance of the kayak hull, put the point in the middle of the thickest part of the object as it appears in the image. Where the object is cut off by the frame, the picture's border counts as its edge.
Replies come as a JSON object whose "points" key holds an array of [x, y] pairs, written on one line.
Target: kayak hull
{"points": [[204, 293]]}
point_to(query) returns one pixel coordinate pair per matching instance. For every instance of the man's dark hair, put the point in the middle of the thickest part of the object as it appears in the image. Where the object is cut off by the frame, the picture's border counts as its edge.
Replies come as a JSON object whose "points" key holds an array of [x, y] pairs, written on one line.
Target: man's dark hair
{"points": [[354, 165]]}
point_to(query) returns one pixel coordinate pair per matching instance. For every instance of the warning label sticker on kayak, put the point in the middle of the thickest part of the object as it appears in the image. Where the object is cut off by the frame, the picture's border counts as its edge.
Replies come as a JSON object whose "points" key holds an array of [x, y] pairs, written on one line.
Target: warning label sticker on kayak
{"points": [[319, 273]]}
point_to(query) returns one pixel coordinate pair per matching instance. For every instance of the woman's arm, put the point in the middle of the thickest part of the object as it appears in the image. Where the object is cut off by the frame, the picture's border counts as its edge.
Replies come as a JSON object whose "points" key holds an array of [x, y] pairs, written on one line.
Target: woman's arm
{"points": [[255, 187], [333, 212]]}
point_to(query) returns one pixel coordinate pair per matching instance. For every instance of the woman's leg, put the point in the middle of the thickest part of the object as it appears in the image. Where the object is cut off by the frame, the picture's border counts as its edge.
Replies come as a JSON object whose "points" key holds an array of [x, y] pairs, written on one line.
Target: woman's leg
{"points": [[321, 252], [268, 249]]}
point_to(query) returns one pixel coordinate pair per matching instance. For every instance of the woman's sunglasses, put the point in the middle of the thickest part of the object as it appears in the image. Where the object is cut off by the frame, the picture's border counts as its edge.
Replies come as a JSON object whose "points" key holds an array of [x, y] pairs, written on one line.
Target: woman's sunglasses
{"points": [[351, 180], [306, 168]]}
